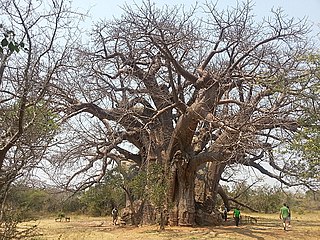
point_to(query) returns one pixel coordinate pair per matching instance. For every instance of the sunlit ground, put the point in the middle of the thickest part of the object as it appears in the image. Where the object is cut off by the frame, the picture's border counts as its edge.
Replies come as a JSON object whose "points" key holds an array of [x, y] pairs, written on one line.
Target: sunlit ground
{"points": [[304, 226]]}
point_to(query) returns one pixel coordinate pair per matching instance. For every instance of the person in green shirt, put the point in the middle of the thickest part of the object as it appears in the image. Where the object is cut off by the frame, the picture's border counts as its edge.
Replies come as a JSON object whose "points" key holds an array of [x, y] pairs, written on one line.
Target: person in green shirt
{"points": [[236, 215], [284, 215]]}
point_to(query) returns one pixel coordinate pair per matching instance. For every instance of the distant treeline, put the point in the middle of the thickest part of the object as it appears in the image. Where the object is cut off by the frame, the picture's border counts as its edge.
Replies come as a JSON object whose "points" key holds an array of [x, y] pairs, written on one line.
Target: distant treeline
{"points": [[100, 199]]}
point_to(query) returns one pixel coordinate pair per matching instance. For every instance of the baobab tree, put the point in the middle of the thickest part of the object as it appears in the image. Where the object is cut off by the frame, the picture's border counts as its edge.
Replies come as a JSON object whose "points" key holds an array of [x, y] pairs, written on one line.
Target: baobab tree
{"points": [[165, 86]]}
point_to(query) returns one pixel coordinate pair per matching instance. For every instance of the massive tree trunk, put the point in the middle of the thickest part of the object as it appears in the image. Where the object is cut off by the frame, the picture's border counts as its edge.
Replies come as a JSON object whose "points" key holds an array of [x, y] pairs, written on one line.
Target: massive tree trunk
{"points": [[182, 193]]}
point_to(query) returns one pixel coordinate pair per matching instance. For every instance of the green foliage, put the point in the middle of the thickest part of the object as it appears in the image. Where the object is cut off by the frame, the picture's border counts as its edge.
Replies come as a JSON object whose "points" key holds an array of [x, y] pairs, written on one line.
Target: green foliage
{"points": [[22, 205], [31, 200], [158, 185], [35, 201], [68, 204], [99, 200], [266, 198], [40, 122], [307, 143], [138, 185], [150, 184], [306, 146], [9, 222], [44, 121], [310, 201]]}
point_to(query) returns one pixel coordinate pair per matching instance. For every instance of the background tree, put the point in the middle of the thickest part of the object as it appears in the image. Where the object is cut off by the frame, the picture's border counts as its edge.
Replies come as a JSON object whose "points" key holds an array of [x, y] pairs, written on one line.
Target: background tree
{"points": [[31, 55], [165, 86]]}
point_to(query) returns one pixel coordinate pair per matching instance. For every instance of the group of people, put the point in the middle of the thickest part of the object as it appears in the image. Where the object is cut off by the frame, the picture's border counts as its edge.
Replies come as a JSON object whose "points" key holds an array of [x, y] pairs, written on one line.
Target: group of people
{"points": [[236, 215], [285, 215]]}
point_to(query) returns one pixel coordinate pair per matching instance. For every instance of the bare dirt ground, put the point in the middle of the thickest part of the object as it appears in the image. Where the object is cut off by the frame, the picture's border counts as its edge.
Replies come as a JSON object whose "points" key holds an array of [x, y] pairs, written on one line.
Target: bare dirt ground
{"points": [[304, 226]]}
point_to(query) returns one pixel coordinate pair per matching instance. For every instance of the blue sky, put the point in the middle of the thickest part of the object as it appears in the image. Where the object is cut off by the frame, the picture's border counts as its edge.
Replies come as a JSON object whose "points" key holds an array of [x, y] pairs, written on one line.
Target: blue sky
{"points": [[106, 9]]}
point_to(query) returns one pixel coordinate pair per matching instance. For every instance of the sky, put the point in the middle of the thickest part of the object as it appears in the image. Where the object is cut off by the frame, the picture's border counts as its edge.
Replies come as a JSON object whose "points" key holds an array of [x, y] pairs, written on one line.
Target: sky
{"points": [[107, 9]]}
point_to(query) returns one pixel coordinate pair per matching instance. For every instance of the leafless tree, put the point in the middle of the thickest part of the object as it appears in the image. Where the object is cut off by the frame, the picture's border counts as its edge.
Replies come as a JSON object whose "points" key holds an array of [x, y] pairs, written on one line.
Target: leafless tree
{"points": [[188, 88]]}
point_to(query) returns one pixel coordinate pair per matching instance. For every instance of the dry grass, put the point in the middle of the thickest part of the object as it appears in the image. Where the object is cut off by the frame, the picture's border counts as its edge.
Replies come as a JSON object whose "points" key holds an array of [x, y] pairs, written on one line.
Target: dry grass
{"points": [[304, 226]]}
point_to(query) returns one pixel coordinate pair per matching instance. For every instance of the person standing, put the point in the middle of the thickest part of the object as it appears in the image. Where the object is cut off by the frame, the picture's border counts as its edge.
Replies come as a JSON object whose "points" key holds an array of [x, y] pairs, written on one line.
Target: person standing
{"points": [[225, 214], [114, 214], [284, 215], [236, 215]]}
